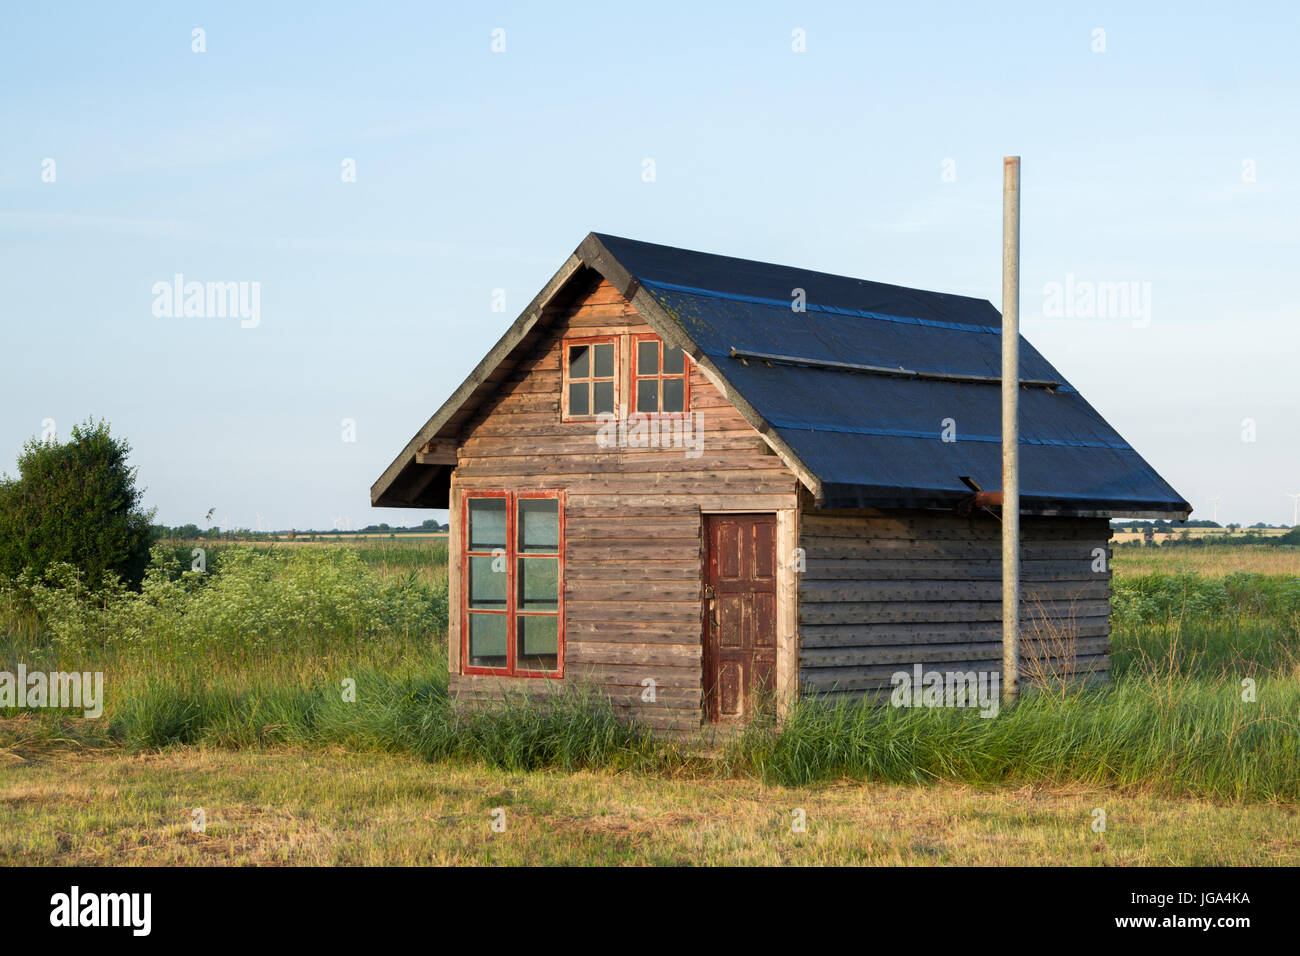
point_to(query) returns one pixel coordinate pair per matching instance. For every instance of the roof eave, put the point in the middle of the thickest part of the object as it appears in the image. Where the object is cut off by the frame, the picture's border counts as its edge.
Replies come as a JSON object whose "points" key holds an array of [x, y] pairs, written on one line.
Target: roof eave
{"points": [[518, 331]]}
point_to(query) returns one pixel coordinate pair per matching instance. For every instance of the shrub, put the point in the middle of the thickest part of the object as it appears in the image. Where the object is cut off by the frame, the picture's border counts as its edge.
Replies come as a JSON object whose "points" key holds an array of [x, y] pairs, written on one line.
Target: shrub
{"points": [[258, 600], [75, 503]]}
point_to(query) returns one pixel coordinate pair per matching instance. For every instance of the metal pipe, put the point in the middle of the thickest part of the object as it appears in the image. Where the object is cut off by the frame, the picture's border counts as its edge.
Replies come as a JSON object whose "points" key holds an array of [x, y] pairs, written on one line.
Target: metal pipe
{"points": [[1010, 429]]}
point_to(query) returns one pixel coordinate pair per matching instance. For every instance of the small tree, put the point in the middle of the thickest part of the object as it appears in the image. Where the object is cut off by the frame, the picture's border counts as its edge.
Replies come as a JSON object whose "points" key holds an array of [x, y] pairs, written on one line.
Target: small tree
{"points": [[75, 502]]}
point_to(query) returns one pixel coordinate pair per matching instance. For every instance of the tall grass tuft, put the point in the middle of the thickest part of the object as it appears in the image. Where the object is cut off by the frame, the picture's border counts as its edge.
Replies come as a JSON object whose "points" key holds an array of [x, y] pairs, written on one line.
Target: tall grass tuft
{"points": [[1201, 739], [401, 713]]}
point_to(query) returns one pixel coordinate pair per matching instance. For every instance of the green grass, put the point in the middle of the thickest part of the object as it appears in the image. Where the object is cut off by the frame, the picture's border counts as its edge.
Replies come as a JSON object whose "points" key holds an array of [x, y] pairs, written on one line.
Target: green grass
{"points": [[256, 655]]}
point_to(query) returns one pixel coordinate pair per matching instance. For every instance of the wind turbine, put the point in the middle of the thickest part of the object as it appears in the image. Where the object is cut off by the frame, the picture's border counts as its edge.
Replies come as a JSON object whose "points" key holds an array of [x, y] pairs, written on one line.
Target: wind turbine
{"points": [[1215, 501], [1295, 508]]}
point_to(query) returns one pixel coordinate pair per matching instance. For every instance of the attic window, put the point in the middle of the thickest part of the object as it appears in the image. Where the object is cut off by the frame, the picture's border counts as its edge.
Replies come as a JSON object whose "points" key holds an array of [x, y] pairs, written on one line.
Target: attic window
{"points": [[659, 379], [590, 374]]}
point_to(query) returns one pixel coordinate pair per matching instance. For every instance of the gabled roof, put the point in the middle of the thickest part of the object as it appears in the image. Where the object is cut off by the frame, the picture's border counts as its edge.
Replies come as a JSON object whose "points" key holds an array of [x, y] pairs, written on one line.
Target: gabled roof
{"points": [[852, 391]]}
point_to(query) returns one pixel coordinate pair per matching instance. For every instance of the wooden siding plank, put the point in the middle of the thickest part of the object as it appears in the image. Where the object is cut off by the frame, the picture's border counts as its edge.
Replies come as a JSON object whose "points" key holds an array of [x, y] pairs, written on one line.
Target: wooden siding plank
{"points": [[631, 655], [639, 632], [698, 502], [664, 611], [838, 592], [636, 461], [641, 592], [948, 528], [900, 569], [903, 549], [936, 611], [935, 632], [844, 680], [648, 573], [911, 654]]}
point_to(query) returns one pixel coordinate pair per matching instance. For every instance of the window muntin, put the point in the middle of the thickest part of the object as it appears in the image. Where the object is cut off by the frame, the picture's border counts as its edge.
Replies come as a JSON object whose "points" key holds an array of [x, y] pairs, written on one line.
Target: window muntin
{"points": [[659, 377], [513, 584], [590, 376]]}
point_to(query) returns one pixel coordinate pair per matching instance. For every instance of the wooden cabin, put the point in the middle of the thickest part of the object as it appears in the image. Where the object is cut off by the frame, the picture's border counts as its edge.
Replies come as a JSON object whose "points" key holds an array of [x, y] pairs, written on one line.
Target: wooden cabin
{"points": [[705, 485]]}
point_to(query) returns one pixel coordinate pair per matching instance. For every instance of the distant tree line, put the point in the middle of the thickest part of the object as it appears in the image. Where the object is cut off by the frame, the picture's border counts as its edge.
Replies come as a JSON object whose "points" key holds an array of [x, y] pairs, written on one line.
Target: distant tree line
{"points": [[1170, 537], [1164, 526], [194, 532]]}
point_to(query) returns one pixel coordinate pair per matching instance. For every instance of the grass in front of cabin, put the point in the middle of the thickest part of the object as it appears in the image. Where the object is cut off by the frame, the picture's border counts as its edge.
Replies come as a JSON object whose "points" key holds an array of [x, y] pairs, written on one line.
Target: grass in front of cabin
{"points": [[247, 665], [331, 807]]}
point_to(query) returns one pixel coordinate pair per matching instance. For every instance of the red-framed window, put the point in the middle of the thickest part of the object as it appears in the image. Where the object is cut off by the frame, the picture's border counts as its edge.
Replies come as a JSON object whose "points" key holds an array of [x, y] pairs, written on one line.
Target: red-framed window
{"points": [[660, 381], [512, 573], [590, 376]]}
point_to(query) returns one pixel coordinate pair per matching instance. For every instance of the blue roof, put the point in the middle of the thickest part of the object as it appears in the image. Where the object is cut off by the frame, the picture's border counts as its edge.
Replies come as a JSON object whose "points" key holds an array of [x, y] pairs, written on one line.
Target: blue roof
{"points": [[876, 440]]}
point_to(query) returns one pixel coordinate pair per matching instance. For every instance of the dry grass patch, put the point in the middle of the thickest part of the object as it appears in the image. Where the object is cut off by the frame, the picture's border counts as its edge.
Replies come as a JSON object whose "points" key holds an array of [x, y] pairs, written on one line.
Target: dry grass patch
{"points": [[286, 807], [1208, 561]]}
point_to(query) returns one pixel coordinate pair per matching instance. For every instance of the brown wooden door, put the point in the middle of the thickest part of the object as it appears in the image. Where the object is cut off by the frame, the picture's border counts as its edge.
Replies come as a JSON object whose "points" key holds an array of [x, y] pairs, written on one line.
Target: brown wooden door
{"points": [[739, 615]]}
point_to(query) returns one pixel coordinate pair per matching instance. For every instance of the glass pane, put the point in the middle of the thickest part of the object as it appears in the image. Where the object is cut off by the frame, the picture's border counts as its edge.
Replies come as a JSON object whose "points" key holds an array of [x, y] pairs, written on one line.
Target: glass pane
{"points": [[672, 361], [487, 523], [578, 404], [539, 525], [647, 358], [604, 361], [539, 643], [487, 588], [487, 640], [647, 395], [579, 361], [674, 395], [539, 584], [602, 397]]}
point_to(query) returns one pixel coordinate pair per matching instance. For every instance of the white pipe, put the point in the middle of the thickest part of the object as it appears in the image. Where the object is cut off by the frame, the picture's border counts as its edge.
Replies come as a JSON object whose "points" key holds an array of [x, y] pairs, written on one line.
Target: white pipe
{"points": [[1010, 428]]}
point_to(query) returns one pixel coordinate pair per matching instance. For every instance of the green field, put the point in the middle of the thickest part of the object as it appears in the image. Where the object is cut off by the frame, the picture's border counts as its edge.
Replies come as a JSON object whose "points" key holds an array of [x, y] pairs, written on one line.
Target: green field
{"points": [[227, 691]]}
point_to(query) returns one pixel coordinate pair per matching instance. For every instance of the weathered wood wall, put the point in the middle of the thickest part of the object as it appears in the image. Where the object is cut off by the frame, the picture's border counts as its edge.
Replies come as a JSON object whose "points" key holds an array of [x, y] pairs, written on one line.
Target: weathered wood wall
{"points": [[884, 591], [633, 551]]}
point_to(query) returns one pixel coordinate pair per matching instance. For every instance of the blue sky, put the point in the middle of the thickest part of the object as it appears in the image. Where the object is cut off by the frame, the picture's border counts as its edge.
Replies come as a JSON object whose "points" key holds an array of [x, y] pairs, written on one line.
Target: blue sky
{"points": [[1168, 160]]}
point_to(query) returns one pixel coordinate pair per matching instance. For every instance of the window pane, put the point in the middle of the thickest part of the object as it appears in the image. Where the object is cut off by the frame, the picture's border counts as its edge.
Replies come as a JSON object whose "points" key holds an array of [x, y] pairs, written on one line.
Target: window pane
{"points": [[647, 358], [487, 640], [647, 395], [579, 361], [487, 523], [539, 525], [602, 397], [672, 361], [674, 395], [487, 588], [604, 361], [539, 584], [578, 404], [539, 643]]}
